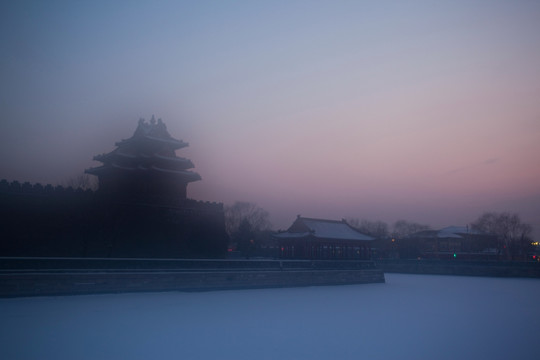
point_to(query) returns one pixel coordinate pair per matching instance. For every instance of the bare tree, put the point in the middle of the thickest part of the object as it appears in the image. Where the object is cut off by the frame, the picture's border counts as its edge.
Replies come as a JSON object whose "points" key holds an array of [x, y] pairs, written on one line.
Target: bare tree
{"points": [[257, 217], [82, 181], [403, 228], [377, 229], [245, 222], [512, 234]]}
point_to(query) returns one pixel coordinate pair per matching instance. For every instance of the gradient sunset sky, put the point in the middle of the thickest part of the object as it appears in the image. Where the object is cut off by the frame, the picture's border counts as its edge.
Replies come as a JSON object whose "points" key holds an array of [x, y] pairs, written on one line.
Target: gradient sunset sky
{"points": [[427, 111]]}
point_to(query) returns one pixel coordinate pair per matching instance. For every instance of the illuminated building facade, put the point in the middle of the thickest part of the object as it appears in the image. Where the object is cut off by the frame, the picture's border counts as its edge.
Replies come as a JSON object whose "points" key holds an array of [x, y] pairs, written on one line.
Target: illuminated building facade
{"points": [[309, 238]]}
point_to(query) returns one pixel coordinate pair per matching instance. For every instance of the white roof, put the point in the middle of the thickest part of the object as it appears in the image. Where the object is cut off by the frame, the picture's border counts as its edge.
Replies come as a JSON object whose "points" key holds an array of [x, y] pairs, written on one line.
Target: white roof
{"points": [[324, 229]]}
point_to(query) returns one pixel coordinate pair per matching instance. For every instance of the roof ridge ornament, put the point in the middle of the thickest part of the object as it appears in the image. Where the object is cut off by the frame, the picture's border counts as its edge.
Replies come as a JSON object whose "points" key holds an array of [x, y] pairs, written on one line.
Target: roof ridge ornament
{"points": [[147, 156]]}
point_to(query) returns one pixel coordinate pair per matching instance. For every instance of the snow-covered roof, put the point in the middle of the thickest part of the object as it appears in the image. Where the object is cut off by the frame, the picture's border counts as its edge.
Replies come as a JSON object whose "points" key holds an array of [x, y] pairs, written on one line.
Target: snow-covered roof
{"points": [[323, 229], [151, 148], [188, 175], [193, 175], [155, 132], [289, 235]]}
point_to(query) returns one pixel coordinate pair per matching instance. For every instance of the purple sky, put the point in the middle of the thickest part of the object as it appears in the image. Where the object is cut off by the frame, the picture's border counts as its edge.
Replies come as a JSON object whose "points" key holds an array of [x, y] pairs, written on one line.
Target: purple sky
{"points": [[421, 110]]}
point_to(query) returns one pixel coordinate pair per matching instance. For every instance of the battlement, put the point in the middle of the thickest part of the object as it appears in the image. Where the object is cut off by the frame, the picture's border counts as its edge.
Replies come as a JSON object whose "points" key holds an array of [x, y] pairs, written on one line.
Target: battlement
{"points": [[37, 189], [200, 205], [15, 187], [46, 220]]}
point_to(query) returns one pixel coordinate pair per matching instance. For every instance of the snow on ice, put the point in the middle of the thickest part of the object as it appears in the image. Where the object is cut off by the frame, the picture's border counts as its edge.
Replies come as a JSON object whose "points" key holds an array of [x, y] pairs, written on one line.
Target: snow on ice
{"points": [[409, 317]]}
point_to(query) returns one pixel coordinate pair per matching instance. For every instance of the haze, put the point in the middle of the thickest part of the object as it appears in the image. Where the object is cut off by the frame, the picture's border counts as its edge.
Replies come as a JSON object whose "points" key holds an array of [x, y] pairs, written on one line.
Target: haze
{"points": [[418, 110]]}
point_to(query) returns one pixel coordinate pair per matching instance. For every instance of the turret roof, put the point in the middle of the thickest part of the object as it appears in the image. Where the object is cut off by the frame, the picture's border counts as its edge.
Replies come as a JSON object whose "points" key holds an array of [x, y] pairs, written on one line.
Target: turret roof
{"points": [[153, 132], [150, 149]]}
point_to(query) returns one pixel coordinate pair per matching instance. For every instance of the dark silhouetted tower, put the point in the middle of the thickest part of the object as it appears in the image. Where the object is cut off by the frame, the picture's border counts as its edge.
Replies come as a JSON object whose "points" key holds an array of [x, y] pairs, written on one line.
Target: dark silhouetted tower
{"points": [[145, 168]]}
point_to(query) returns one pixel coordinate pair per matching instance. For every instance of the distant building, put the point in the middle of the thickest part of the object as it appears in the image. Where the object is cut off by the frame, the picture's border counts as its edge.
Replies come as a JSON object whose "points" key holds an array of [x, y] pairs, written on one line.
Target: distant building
{"points": [[145, 167], [450, 242], [309, 238]]}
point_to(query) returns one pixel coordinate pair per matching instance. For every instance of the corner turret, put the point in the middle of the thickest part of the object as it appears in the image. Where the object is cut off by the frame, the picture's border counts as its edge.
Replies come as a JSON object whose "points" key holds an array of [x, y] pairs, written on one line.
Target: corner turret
{"points": [[145, 168]]}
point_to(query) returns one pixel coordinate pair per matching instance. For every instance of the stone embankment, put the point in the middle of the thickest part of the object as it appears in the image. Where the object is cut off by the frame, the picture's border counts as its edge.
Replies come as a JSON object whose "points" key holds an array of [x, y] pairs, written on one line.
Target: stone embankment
{"points": [[71, 276], [528, 269]]}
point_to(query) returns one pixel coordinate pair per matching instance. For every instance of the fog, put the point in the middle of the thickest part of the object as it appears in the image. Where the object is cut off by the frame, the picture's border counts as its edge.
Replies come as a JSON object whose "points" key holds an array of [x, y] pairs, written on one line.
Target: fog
{"points": [[409, 317], [417, 110]]}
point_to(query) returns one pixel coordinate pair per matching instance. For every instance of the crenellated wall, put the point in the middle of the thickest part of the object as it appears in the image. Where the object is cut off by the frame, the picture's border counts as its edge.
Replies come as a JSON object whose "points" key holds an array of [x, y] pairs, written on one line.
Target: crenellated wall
{"points": [[48, 220], [27, 188], [16, 187]]}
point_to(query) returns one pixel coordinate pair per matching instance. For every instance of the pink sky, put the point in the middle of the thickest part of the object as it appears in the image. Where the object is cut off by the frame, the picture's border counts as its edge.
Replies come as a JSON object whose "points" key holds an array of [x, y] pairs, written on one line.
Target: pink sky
{"points": [[421, 111]]}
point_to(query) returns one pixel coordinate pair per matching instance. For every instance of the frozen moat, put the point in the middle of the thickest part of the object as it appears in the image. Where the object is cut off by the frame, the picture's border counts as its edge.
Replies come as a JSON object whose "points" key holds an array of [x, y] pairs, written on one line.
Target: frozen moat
{"points": [[409, 317]]}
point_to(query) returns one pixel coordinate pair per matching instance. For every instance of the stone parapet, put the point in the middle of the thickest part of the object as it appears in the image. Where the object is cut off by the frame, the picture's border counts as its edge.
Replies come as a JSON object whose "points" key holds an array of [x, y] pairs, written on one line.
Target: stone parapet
{"points": [[16, 187], [176, 275], [466, 268]]}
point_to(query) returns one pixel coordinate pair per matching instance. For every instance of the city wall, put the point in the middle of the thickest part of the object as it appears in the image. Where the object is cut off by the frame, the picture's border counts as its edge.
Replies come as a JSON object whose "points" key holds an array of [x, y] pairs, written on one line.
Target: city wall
{"points": [[466, 268], [39, 277], [37, 220]]}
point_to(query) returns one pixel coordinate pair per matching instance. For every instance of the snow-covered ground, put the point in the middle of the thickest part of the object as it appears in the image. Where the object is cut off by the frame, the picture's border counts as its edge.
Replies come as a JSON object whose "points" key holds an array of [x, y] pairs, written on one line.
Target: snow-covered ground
{"points": [[409, 317]]}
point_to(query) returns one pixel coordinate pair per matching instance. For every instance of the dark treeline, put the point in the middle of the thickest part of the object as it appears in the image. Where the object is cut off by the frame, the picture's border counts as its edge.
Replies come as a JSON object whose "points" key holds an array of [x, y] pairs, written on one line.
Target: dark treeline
{"points": [[492, 236], [496, 236]]}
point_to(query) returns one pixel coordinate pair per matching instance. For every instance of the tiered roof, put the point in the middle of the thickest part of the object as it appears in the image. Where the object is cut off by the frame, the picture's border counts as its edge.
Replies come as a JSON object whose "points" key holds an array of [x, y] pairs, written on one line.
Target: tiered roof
{"points": [[151, 150]]}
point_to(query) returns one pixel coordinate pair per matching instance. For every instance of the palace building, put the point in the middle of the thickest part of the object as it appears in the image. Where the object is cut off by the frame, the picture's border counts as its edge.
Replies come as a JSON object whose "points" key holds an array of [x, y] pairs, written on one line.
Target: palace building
{"points": [[140, 210], [145, 167], [309, 238]]}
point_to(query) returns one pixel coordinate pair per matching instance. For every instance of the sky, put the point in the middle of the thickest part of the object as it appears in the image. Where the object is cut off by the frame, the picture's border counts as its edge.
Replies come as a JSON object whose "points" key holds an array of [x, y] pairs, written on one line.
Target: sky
{"points": [[427, 111], [408, 317]]}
